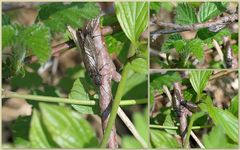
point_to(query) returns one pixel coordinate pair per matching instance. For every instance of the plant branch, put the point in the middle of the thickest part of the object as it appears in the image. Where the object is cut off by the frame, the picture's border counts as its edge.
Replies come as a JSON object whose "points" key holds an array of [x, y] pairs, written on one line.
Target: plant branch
{"points": [[115, 105], [181, 28], [182, 111], [10, 94], [220, 74], [131, 127], [108, 73], [176, 128]]}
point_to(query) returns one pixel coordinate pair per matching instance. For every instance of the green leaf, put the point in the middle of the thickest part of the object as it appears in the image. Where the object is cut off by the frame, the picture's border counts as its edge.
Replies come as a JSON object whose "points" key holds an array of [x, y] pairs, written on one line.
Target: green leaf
{"points": [[169, 43], [57, 15], [161, 139], [67, 128], [167, 79], [78, 92], [234, 106], [207, 36], [20, 130], [155, 6], [8, 34], [5, 19], [139, 120], [196, 47], [37, 136], [139, 65], [37, 39], [179, 45], [133, 18], [211, 140], [169, 122], [208, 10], [137, 86], [199, 80], [185, 14], [222, 118], [130, 142]]}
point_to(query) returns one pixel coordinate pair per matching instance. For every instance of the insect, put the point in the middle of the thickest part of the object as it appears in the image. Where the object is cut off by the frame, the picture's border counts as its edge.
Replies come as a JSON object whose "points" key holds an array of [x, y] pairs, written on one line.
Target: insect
{"points": [[83, 39], [190, 106]]}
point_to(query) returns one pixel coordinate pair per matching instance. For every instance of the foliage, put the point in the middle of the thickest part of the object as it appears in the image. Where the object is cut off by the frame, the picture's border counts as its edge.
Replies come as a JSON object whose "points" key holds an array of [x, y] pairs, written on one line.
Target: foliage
{"points": [[224, 121], [193, 48], [62, 125]]}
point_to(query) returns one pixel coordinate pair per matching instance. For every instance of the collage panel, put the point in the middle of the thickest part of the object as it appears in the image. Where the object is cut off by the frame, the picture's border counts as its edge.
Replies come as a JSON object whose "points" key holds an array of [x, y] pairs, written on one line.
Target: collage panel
{"points": [[194, 109], [75, 75], [194, 35]]}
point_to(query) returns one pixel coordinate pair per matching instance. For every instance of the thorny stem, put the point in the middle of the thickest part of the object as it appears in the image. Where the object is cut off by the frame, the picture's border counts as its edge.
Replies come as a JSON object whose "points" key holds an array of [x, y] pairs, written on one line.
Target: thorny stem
{"points": [[115, 105], [9, 94], [181, 28]]}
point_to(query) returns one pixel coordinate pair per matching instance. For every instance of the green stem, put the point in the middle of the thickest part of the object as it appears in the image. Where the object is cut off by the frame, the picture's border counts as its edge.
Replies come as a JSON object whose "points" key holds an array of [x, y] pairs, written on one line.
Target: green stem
{"points": [[9, 94], [176, 128], [115, 105]]}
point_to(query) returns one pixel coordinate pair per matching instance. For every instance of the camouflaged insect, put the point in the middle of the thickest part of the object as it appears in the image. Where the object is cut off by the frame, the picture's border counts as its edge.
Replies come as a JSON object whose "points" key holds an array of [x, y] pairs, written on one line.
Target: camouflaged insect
{"points": [[84, 41]]}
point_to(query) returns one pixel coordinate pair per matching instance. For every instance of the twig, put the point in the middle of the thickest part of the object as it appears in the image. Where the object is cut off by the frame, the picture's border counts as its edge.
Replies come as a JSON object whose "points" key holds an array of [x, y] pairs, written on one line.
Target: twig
{"points": [[219, 51], [131, 127], [181, 28], [182, 111], [220, 74], [197, 140], [10, 94], [175, 128], [108, 72]]}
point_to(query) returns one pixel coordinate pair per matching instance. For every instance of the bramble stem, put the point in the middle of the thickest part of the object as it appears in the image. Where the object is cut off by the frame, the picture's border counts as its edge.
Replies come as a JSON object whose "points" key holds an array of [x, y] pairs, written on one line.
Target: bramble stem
{"points": [[115, 105], [9, 94]]}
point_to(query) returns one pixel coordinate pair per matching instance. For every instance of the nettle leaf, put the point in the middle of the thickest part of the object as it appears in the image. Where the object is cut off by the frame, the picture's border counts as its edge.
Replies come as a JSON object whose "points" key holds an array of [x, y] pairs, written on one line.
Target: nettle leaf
{"points": [[185, 14], [133, 18], [234, 106], [179, 45], [161, 139], [37, 136], [67, 128], [57, 15], [169, 43], [78, 92], [211, 140], [199, 80], [208, 10], [195, 46], [8, 34], [207, 36], [37, 39], [165, 79]]}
